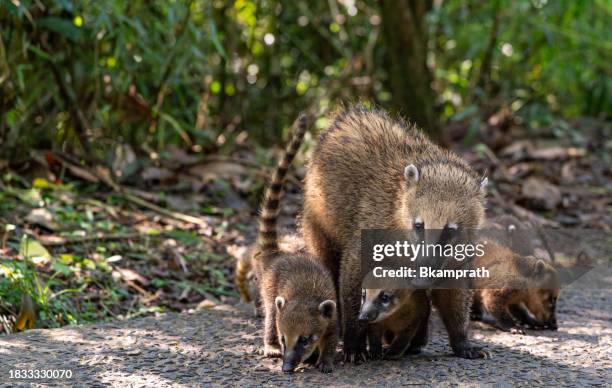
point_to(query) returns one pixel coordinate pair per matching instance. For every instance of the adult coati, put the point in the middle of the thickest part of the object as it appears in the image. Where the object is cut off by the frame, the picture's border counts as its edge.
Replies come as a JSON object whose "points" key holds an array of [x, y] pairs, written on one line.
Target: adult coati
{"points": [[371, 172], [521, 291], [398, 317], [297, 292]]}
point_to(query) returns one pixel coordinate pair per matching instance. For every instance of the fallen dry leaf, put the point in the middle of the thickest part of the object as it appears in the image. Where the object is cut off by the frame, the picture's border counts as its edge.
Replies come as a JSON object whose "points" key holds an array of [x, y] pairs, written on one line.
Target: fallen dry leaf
{"points": [[130, 275], [541, 193], [556, 152], [42, 217], [214, 170]]}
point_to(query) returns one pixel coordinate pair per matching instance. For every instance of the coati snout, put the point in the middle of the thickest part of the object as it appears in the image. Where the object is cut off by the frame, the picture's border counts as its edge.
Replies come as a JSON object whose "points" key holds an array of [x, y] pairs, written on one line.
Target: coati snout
{"points": [[380, 303], [440, 212], [396, 317], [302, 328], [542, 304], [522, 291]]}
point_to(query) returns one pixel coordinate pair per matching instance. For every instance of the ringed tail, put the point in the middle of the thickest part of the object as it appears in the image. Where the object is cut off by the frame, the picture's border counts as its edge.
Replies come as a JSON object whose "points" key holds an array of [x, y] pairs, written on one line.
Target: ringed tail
{"points": [[270, 208], [241, 277]]}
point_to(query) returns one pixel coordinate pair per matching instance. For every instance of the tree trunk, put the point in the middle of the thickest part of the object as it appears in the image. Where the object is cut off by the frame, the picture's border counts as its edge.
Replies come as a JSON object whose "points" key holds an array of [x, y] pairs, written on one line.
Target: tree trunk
{"points": [[409, 78]]}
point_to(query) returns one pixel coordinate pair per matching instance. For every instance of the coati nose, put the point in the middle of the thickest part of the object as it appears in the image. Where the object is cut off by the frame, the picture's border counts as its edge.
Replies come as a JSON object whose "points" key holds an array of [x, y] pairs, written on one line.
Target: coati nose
{"points": [[288, 367], [367, 316], [290, 360]]}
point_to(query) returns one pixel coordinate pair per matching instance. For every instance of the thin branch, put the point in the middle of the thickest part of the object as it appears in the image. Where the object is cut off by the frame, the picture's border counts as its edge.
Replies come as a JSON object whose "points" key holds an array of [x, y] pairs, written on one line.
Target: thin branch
{"points": [[169, 213], [52, 241]]}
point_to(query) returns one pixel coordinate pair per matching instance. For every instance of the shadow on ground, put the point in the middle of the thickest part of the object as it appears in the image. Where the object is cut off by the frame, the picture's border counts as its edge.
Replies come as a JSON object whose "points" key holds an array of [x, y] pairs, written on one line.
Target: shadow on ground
{"points": [[220, 345]]}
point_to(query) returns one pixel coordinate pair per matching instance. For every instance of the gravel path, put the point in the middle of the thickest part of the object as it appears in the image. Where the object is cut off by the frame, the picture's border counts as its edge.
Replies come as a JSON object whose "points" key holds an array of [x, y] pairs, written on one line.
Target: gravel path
{"points": [[218, 346]]}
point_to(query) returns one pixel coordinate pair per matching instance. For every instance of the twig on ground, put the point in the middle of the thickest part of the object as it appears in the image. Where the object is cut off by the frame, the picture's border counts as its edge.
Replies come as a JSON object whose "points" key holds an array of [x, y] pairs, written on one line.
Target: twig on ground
{"points": [[59, 240], [169, 213], [133, 196]]}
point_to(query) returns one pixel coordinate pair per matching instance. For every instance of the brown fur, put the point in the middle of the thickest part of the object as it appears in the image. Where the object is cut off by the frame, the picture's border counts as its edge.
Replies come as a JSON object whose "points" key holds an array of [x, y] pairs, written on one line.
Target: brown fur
{"points": [[401, 321], [522, 290], [357, 180], [242, 275], [299, 302], [297, 292]]}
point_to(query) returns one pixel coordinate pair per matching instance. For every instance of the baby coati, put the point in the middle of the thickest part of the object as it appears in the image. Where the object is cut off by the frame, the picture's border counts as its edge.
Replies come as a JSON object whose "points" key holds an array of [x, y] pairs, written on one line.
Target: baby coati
{"points": [[371, 172], [521, 291], [398, 317], [297, 292]]}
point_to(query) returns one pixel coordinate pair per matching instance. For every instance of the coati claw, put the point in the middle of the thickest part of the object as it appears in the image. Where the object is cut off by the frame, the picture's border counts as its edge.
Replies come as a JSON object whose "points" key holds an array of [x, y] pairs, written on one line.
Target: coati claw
{"points": [[516, 330], [472, 352], [355, 356], [272, 351]]}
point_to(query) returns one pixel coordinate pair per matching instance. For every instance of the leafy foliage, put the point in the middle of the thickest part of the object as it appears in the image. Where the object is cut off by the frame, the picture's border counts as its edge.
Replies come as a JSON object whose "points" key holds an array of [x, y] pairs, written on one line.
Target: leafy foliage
{"points": [[203, 73], [549, 58]]}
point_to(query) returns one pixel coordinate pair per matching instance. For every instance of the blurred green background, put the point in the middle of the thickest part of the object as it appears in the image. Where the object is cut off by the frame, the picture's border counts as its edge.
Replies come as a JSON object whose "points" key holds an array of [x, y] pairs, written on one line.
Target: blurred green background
{"points": [[205, 75]]}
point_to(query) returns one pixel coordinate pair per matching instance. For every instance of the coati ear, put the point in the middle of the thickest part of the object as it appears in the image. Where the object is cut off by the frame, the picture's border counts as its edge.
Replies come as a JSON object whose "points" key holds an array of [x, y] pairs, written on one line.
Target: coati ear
{"points": [[411, 173], [327, 308], [540, 267], [280, 302], [483, 185]]}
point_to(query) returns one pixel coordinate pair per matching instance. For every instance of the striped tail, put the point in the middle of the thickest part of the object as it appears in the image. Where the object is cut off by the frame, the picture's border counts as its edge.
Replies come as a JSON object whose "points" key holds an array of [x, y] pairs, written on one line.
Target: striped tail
{"points": [[268, 233], [241, 277]]}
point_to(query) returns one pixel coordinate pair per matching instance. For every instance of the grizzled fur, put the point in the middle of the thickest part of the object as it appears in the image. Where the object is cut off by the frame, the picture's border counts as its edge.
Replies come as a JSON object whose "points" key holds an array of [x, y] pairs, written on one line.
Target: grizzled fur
{"points": [[369, 171], [297, 292]]}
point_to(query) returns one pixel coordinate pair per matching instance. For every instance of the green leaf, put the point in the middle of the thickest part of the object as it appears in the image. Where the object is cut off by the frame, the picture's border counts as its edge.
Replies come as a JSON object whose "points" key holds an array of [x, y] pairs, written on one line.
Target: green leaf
{"points": [[63, 27], [214, 36], [62, 268]]}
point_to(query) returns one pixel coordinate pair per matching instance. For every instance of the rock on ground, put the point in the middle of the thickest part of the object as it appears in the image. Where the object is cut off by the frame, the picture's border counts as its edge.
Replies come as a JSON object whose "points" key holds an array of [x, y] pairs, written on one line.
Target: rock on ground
{"points": [[219, 346]]}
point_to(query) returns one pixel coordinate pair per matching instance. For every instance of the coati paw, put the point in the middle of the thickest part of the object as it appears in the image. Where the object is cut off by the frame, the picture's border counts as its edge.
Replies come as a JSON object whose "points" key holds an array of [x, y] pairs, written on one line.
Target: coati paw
{"points": [[272, 351], [516, 330], [325, 366], [472, 352], [356, 356]]}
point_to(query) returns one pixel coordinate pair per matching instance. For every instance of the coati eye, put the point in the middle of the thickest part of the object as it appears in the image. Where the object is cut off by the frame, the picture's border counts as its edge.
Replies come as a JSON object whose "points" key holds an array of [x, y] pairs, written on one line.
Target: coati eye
{"points": [[418, 224], [449, 232], [283, 339], [384, 298], [451, 228], [304, 340]]}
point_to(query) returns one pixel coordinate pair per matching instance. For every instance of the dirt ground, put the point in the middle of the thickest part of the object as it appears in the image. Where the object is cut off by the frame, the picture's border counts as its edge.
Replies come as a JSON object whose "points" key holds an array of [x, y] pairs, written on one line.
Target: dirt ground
{"points": [[219, 346]]}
